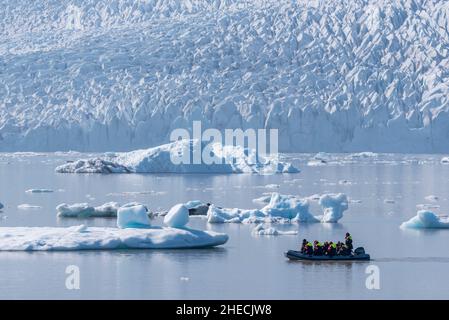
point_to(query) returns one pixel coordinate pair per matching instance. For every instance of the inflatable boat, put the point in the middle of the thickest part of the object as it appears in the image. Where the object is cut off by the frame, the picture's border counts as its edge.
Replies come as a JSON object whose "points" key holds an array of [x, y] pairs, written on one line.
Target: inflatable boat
{"points": [[359, 255]]}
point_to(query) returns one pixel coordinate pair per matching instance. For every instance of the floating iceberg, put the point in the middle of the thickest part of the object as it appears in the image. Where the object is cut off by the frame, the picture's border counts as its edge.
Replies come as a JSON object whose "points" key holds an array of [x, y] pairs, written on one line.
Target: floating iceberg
{"points": [[260, 230], [445, 160], [1, 206], [230, 159], [425, 219], [98, 238], [283, 208], [133, 215], [333, 205], [177, 216], [84, 210]]}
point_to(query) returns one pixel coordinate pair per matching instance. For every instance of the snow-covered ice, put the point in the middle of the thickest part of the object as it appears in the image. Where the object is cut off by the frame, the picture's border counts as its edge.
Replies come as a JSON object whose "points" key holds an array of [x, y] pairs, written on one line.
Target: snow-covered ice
{"points": [[425, 219], [84, 210], [177, 216], [260, 230], [432, 198], [100, 238], [133, 216], [232, 159]]}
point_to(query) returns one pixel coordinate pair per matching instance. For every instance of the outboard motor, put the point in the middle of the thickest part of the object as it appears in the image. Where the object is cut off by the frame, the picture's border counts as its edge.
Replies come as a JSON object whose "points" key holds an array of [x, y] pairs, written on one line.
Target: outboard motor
{"points": [[359, 251]]}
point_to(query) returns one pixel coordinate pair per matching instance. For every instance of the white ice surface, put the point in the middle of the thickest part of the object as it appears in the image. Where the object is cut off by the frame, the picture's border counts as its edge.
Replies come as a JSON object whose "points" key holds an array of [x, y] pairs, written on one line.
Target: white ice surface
{"points": [[100, 238], [39, 191], [425, 219], [231, 159]]}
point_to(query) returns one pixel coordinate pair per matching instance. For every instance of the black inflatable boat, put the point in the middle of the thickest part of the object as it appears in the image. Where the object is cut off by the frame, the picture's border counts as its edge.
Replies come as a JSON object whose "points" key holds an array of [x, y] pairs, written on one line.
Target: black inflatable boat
{"points": [[359, 255]]}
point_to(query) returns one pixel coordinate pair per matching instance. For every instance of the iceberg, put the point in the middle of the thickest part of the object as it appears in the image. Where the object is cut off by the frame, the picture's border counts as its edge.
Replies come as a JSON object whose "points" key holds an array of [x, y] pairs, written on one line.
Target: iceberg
{"points": [[84, 210], [100, 238], [197, 207], [425, 219], [333, 206], [177, 216], [231, 159], [284, 209], [133, 216]]}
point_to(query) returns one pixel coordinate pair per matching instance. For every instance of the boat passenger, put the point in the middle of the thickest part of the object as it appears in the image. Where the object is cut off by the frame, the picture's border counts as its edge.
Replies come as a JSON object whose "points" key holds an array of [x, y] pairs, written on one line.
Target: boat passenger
{"points": [[332, 251], [304, 246], [309, 249], [348, 241], [318, 248]]}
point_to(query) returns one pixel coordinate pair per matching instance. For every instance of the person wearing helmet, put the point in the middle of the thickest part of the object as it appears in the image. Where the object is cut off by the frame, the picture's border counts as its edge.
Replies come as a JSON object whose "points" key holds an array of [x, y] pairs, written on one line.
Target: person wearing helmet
{"points": [[348, 241]]}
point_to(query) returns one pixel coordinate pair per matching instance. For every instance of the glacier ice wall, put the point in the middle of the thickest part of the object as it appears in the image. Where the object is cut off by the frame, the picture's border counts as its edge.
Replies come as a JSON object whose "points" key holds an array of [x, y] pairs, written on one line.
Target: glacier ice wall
{"points": [[98, 75]]}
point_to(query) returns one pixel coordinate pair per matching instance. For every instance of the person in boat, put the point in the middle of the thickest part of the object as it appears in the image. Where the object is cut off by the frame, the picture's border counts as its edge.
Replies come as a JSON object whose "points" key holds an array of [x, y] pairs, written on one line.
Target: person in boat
{"points": [[325, 247], [304, 246], [309, 248], [348, 241], [332, 251], [318, 248], [345, 251]]}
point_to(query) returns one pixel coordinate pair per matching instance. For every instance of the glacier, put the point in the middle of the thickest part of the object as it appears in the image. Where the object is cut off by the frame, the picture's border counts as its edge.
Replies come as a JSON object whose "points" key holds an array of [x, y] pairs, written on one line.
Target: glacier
{"points": [[120, 75]]}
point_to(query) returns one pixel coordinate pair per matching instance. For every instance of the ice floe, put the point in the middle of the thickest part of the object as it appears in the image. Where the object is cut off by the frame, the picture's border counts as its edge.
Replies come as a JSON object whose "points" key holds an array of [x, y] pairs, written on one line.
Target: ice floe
{"points": [[100, 238], [445, 160], [230, 159], [283, 209], [425, 219], [197, 207], [261, 230], [84, 210]]}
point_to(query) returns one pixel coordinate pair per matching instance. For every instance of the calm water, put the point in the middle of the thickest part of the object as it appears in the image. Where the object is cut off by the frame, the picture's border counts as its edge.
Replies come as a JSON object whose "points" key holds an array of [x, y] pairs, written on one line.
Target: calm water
{"points": [[412, 264]]}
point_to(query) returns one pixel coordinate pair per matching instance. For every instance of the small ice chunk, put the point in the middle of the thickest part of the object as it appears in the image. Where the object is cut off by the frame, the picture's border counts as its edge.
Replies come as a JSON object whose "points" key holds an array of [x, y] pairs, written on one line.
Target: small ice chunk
{"points": [[445, 160], [260, 230], [39, 191], [177, 216], [26, 206], [75, 210], [432, 198], [272, 186], [133, 216], [108, 209], [263, 200], [389, 201], [425, 219], [1, 206]]}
